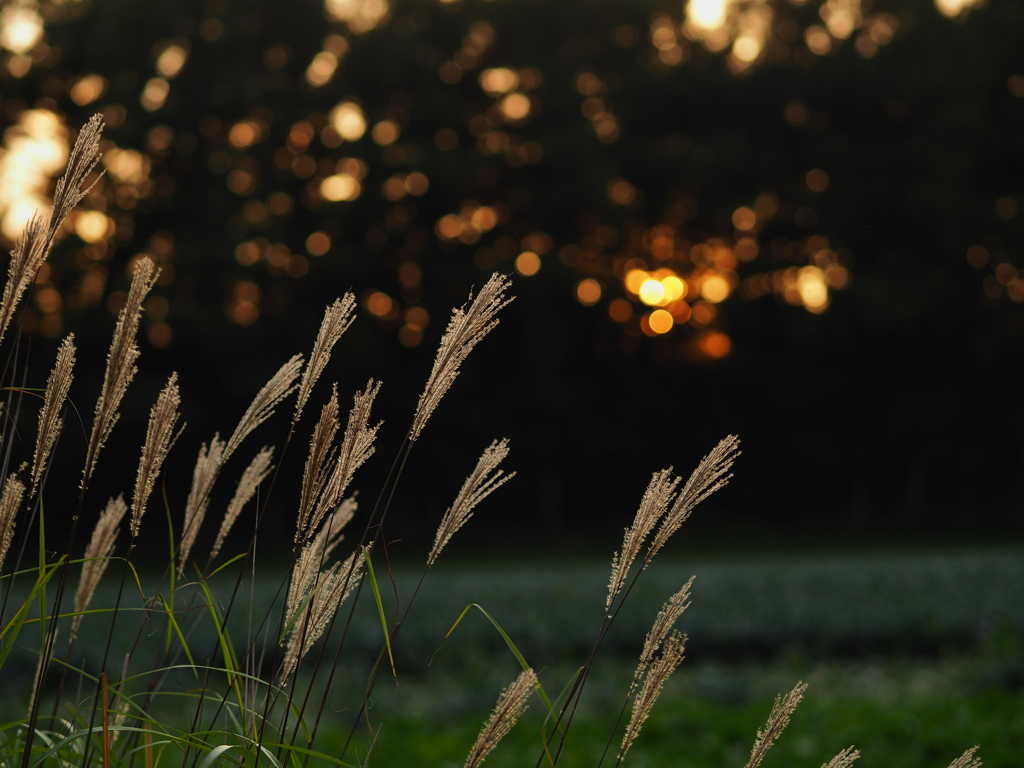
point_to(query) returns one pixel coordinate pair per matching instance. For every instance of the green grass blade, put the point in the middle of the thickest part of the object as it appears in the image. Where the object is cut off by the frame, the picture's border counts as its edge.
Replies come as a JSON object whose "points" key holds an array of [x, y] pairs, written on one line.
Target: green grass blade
{"points": [[380, 608], [512, 647]]}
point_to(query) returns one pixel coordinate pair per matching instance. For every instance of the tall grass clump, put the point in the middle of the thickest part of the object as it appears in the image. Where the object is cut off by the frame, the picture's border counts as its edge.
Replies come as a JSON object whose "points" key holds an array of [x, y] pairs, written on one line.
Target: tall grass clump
{"points": [[172, 674]]}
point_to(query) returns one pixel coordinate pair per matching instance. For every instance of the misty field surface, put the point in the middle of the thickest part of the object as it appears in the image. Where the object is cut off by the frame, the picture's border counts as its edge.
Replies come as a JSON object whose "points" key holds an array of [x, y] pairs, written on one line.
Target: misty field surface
{"points": [[912, 656]]}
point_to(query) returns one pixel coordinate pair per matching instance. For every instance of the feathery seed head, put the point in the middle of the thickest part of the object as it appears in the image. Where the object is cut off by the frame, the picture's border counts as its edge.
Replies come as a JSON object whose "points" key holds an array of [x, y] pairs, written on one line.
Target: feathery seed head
{"points": [[10, 501], [967, 759], [120, 371], [36, 241], [50, 421], [511, 705], [97, 556], [777, 721], [484, 480], [657, 499], [253, 475], [710, 475], [844, 759], [468, 325], [660, 670], [337, 318], [160, 435]]}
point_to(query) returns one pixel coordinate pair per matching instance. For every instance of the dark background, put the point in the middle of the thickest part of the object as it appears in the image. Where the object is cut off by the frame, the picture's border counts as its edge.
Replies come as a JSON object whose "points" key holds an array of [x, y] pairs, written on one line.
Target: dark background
{"points": [[894, 416]]}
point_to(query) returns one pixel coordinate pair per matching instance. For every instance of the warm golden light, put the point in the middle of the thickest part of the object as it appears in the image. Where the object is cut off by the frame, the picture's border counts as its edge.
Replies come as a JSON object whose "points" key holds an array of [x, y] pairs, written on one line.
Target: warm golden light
{"points": [[36, 148], [318, 243], [245, 133], [744, 219], [675, 288], [706, 14], [621, 192], [385, 132], [714, 344], [360, 16], [340, 187], [714, 288], [348, 120], [379, 304], [816, 180], [21, 27], [813, 289], [527, 263], [588, 292], [634, 279], [416, 183], [661, 321], [652, 292], [154, 94], [170, 62], [321, 69], [955, 8], [515, 106], [498, 80], [87, 89], [93, 226]]}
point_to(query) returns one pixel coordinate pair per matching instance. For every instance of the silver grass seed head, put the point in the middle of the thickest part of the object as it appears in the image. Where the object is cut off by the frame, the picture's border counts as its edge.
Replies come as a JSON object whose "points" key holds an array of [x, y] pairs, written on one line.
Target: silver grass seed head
{"points": [[10, 501], [468, 325], [510, 706], [337, 319], [50, 421]]}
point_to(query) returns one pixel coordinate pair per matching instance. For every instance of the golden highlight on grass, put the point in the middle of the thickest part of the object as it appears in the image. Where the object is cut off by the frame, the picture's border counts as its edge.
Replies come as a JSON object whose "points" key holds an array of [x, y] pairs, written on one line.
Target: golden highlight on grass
{"points": [[10, 502], [967, 759], [50, 421], [657, 673], [97, 557], [281, 385], [318, 469], [160, 435], [211, 458], [777, 722], [121, 369], [844, 759], [710, 475], [663, 624], [468, 325], [323, 593], [655, 502], [36, 241], [356, 448], [511, 705], [252, 477], [481, 483], [337, 319]]}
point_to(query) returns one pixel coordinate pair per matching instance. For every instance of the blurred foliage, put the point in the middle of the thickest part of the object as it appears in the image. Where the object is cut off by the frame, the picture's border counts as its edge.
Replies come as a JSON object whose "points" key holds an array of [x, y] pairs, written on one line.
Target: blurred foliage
{"points": [[841, 206]]}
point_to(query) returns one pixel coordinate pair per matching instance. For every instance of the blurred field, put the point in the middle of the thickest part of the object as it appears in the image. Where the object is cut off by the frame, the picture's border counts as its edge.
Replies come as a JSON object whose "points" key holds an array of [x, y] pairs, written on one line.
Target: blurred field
{"points": [[911, 656]]}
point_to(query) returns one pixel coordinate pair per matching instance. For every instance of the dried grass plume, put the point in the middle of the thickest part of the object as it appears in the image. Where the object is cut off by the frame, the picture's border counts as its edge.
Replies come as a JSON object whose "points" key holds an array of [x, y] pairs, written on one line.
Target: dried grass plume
{"points": [[657, 498], [481, 483], [967, 759], [252, 477], [97, 557], [337, 319], [511, 705], [777, 721], [658, 672], [844, 759], [36, 241], [160, 435], [468, 325], [50, 421], [120, 371], [10, 501]]}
